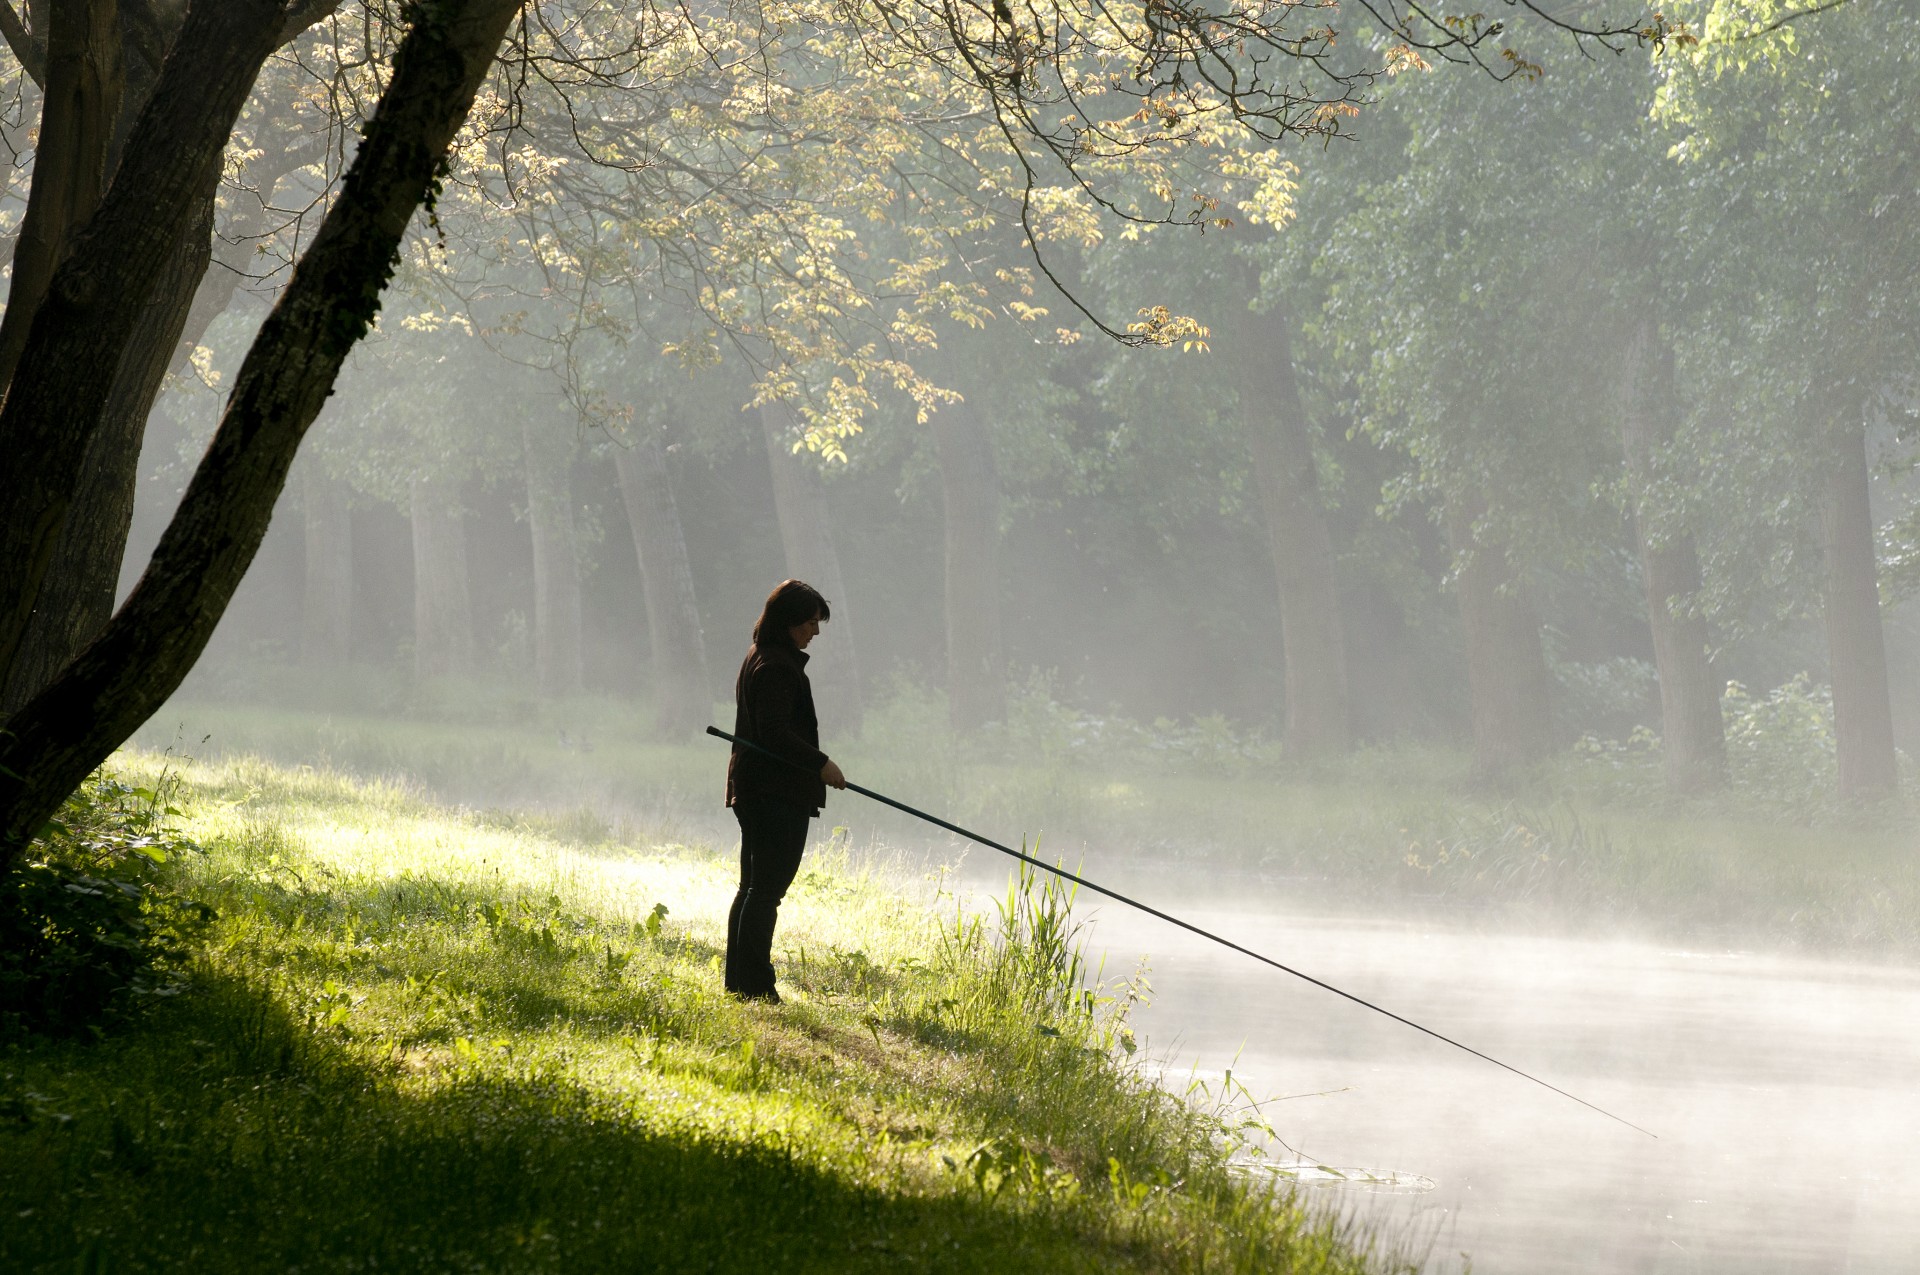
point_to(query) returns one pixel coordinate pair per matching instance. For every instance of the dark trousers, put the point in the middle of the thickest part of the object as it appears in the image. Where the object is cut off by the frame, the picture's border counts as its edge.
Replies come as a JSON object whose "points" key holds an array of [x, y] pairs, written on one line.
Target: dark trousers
{"points": [[773, 835]]}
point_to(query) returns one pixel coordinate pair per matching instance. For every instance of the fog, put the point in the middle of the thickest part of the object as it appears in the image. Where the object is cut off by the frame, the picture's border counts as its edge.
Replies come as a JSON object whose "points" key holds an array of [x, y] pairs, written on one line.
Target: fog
{"points": [[1496, 600], [1780, 1089]]}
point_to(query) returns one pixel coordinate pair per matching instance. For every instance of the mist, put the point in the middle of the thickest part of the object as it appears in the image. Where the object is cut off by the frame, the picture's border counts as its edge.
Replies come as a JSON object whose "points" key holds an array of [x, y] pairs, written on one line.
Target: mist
{"points": [[1492, 592]]}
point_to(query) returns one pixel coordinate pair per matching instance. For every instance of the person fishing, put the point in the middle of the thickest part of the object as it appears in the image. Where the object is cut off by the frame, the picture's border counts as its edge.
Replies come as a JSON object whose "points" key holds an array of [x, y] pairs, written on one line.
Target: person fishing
{"points": [[777, 783]]}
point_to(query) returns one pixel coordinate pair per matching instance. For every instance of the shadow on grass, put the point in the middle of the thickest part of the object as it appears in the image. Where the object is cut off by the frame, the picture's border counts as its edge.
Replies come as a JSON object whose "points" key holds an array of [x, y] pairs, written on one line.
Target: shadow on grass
{"points": [[223, 1136]]}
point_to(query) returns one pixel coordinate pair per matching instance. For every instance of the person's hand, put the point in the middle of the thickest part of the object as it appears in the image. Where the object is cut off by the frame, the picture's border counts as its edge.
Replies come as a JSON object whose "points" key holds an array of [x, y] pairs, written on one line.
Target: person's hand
{"points": [[831, 773]]}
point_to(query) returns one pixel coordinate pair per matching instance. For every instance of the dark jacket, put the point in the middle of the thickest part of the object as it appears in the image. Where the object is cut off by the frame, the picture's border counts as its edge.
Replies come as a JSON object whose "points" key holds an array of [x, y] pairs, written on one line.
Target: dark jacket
{"points": [[773, 707]]}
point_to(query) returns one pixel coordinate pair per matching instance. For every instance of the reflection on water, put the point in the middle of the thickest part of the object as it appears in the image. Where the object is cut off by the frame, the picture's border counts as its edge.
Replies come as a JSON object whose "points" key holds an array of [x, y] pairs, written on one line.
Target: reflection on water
{"points": [[1785, 1091]]}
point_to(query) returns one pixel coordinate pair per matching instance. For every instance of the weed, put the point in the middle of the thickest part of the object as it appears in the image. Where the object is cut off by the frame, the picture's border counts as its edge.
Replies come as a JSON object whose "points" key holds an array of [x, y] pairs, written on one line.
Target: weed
{"points": [[89, 926]]}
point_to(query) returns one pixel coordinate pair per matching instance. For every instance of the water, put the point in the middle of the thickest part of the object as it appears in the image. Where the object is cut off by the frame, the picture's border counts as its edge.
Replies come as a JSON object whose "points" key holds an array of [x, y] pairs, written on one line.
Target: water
{"points": [[1785, 1090]]}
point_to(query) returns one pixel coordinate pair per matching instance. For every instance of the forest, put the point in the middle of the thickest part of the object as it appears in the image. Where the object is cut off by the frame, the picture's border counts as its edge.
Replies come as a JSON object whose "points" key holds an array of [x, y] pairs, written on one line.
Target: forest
{"points": [[1531, 411], [1346, 459]]}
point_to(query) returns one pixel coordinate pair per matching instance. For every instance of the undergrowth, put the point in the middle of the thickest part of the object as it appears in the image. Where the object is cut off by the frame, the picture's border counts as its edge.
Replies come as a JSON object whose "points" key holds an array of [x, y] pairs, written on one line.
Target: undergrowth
{"points": [[429, 1039], [90, 928]]}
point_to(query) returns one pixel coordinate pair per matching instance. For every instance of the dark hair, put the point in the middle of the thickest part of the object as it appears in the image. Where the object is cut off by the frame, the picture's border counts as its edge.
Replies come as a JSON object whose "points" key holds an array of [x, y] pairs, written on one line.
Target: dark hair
{"points": [[791, 604]]}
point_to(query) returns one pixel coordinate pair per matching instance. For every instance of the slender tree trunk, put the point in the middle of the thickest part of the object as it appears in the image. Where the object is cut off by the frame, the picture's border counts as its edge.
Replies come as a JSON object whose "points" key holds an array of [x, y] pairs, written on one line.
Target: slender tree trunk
{"points": [[970, 491], [52, 743], [807, 537], [326, 612], [683, 691], [547, 448], [1313, 640], [1856, 643], [442, 602], [77, 595], [1507, 678], [1693, 738]]}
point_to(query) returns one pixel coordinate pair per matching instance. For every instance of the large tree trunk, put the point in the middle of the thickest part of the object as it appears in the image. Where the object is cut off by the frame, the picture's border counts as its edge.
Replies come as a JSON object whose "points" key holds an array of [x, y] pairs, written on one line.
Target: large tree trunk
{"points": [[683, 692], [151, 643], [84, 82], [1507, 678], [326, 612], [547, 449], [1856, 644], [970, 491], [442, 602], [96, 303], [1313, 641], [807, 537], [77, 595], [1693, 738]]}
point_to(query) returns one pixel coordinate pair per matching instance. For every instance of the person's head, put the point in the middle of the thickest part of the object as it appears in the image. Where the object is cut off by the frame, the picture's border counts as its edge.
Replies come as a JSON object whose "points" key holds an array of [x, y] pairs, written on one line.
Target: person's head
{"points": [[792, 605]]}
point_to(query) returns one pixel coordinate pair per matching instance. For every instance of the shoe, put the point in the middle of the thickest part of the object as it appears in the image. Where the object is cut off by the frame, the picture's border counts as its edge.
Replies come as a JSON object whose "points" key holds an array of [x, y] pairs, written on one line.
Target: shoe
{"points": [[768, 997]]}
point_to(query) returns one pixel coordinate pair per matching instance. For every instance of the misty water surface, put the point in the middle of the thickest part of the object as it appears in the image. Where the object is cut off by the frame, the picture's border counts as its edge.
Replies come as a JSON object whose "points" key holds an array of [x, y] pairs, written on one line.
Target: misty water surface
{"points": [[1785, 1090]]}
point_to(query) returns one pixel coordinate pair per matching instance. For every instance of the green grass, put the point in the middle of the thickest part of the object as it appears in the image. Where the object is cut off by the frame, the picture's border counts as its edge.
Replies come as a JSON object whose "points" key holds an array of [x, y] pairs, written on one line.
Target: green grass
{"points": [[1581, 843], [423, 1038]]}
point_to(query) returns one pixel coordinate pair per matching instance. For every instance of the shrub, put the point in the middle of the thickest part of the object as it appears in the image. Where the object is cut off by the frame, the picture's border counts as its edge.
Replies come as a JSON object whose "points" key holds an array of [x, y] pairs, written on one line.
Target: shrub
{"points": [[89, 926], [1780, 746]]}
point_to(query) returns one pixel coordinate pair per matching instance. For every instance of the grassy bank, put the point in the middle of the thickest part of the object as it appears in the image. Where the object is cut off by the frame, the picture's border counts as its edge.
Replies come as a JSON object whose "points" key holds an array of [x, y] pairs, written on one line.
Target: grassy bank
{"points": [[425, 1038], [1584, 842]]}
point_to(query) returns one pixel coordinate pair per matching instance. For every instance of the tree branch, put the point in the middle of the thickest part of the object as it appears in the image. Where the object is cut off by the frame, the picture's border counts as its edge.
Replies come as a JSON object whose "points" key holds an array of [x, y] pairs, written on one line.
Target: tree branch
{"points": [[31, 51], [302, 14], [1786, 18], [149, 36]]}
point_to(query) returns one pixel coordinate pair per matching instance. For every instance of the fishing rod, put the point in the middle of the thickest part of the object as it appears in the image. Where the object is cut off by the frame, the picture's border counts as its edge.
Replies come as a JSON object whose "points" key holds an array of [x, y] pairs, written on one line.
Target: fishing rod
{"points": [[1188, 926]]}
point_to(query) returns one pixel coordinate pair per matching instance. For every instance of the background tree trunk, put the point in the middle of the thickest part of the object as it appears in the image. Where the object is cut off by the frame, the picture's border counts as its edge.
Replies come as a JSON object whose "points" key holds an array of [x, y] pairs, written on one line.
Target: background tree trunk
{"points": [[683, 689], [326, 612], [1507, 679], [807, 537], [442, 606], [547, 449], [1313, 640], [970, 492], [1856, 643], [1693, 738]]}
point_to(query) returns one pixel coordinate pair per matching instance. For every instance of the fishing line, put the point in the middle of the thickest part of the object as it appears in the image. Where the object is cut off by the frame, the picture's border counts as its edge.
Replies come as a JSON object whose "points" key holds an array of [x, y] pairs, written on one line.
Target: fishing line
{"points": [[1185, 925]]}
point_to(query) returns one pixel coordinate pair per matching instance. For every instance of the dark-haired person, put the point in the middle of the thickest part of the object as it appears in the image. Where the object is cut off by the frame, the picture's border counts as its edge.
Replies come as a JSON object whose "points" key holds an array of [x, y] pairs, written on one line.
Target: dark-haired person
{"points": [[773, 800]]}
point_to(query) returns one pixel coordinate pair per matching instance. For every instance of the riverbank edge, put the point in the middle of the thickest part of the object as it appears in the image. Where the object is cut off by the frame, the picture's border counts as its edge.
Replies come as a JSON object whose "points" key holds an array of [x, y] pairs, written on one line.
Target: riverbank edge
{"points": [[433, 1037]]}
